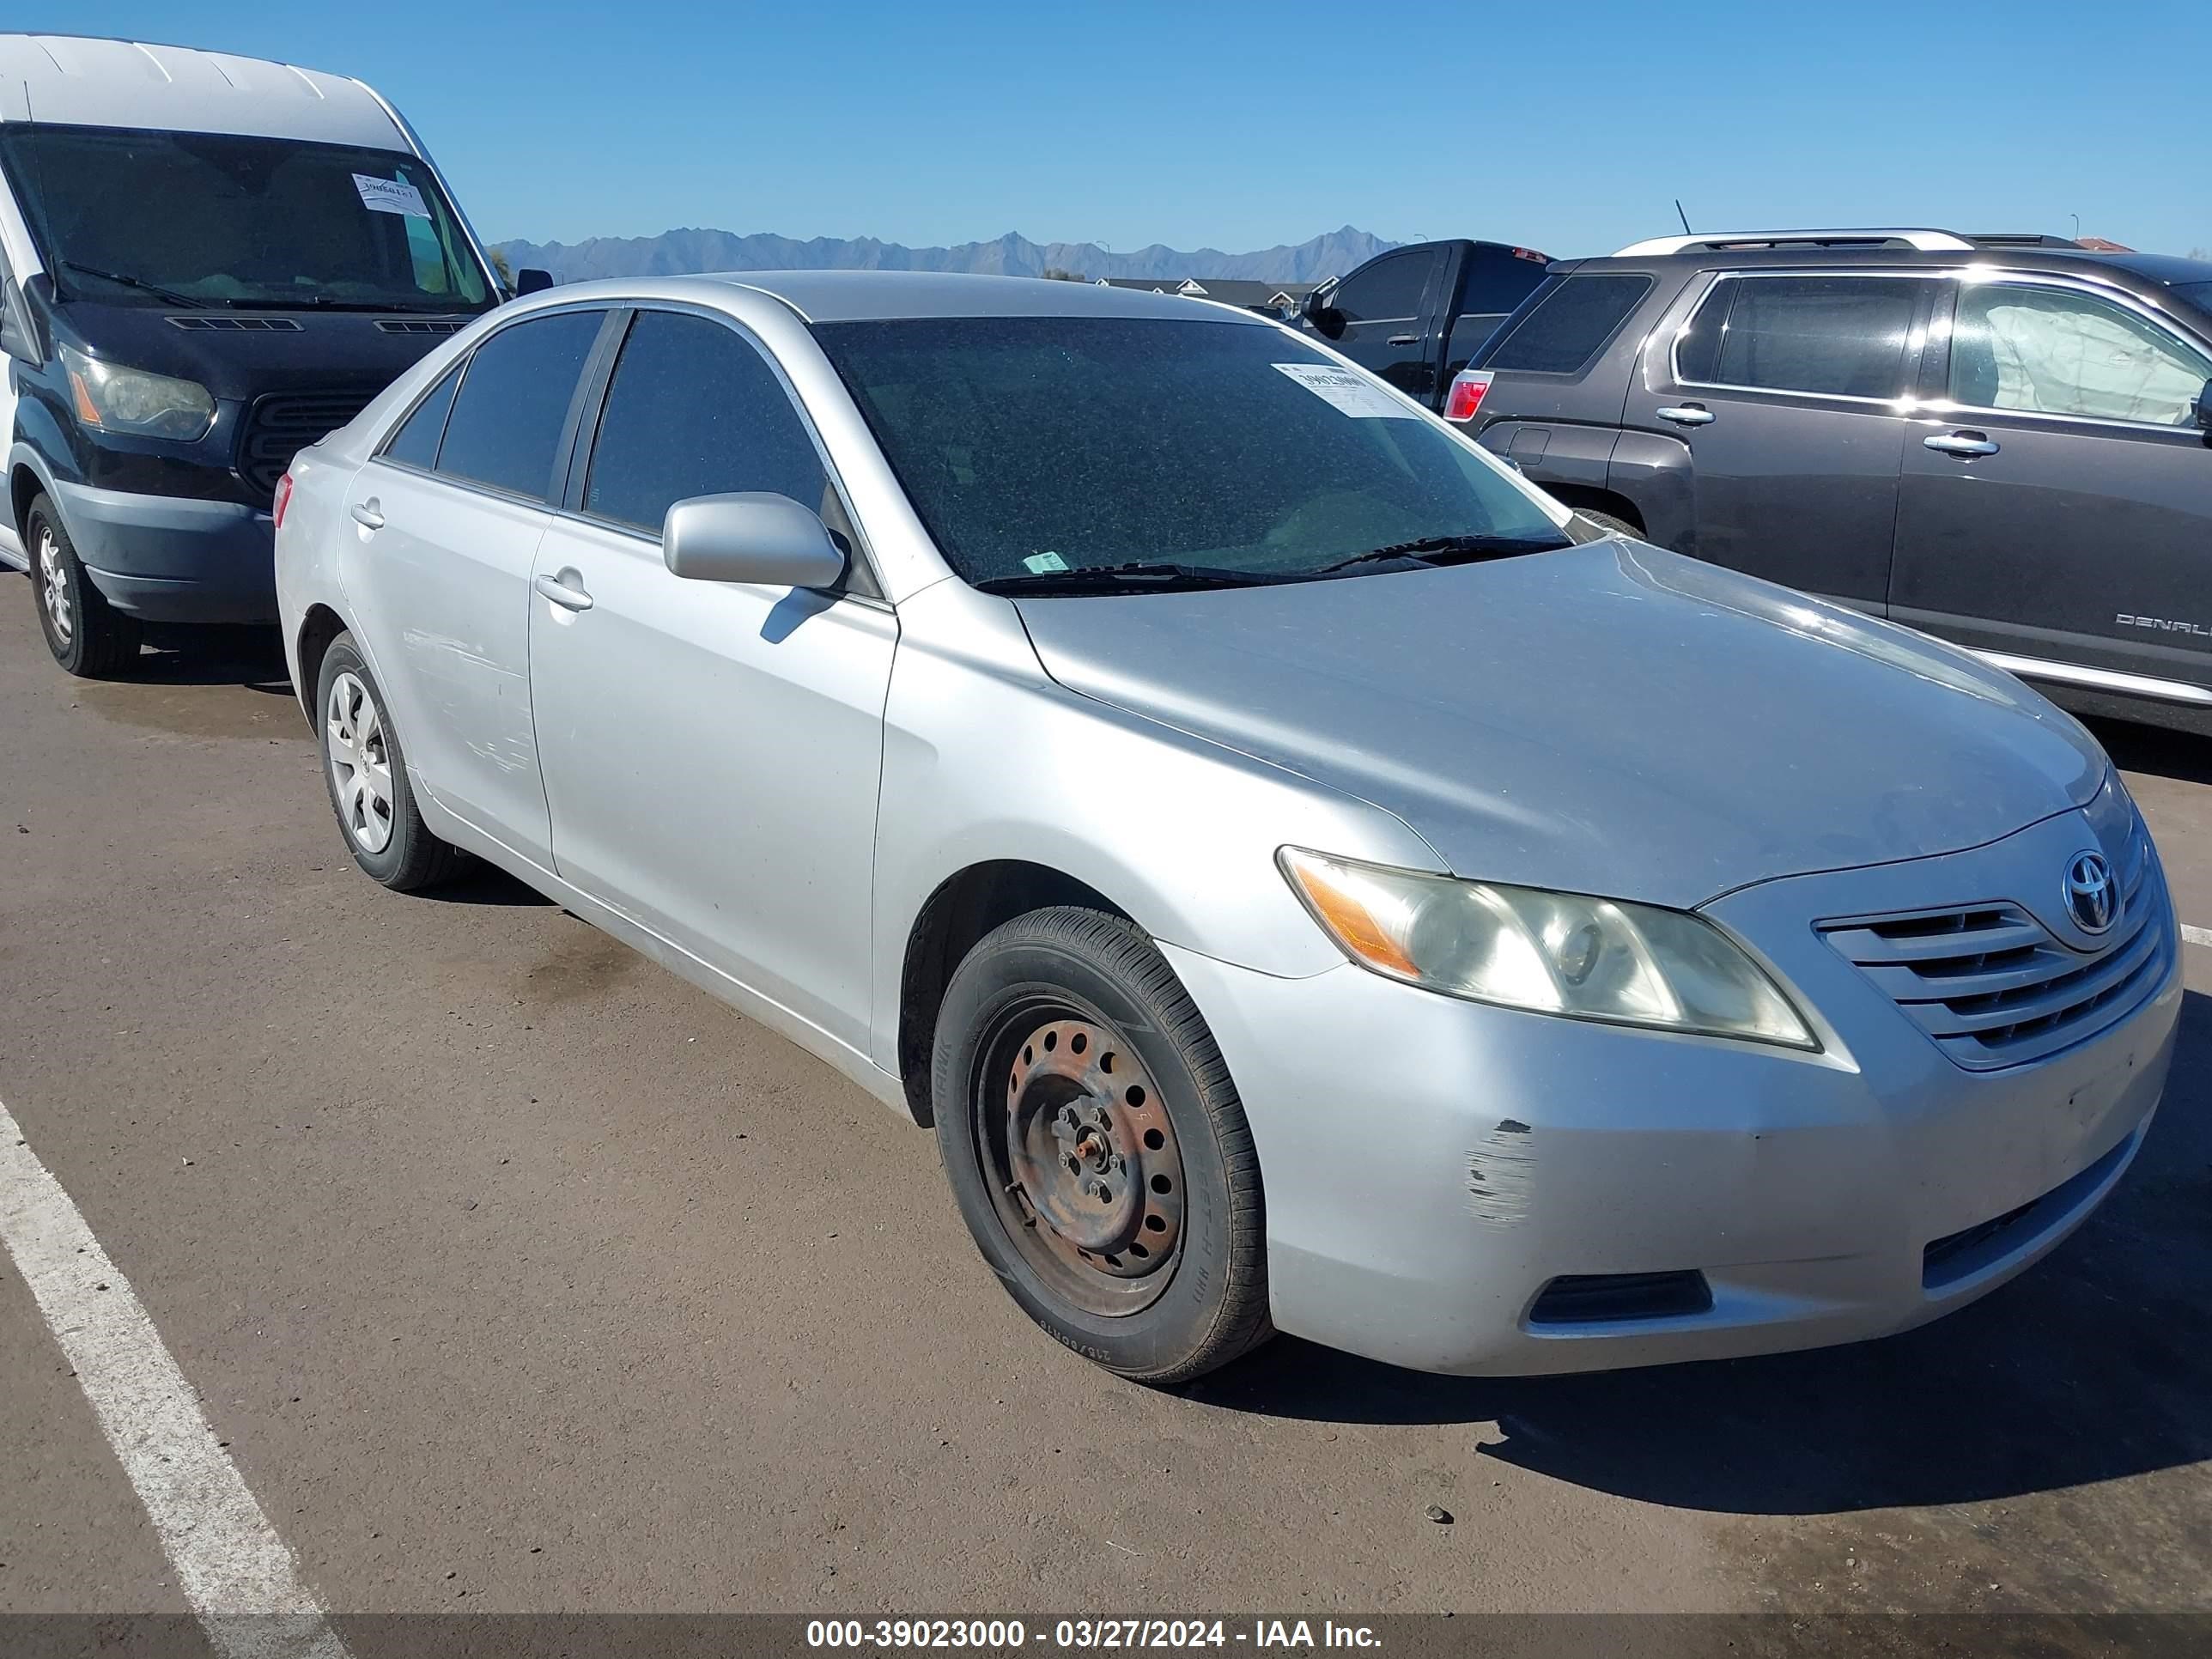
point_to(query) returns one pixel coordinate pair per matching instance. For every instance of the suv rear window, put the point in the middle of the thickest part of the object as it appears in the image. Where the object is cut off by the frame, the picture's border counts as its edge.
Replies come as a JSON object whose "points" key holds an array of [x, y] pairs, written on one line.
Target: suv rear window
{"points": [[1840, 336], [1571, 325]]}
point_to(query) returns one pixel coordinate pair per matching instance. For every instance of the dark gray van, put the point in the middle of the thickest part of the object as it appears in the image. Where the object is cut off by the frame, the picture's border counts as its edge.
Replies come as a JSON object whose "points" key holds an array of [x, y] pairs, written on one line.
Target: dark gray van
{"points": [[2002, 440], [206, 262]]}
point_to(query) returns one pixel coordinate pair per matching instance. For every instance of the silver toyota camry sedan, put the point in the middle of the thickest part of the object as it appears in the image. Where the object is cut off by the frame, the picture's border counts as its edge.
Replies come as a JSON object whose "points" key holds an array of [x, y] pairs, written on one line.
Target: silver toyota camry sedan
{"points": [[1309, 879]]}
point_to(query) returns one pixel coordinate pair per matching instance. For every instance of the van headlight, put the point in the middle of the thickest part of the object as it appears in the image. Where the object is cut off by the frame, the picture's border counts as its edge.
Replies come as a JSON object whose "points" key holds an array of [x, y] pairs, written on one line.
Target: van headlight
{"points": [[133, 401], [1550, 953]]}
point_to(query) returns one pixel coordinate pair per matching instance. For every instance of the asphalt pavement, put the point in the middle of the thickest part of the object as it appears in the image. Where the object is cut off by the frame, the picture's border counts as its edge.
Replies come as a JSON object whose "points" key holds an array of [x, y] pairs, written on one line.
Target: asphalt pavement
{"points": [[512, 1273]]}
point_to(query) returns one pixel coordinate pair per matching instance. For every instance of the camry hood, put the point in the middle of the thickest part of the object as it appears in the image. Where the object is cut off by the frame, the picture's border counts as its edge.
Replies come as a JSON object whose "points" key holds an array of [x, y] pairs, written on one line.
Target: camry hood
{"points": [[1609, 719]]}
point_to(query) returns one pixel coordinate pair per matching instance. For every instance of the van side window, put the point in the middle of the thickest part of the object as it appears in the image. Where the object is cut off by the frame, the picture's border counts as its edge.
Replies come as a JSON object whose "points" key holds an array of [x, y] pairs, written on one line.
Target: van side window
{"points": [[694, 409], [1571, 325], [509, 416], [416, 443], [1841, 336], [2057, 352]]}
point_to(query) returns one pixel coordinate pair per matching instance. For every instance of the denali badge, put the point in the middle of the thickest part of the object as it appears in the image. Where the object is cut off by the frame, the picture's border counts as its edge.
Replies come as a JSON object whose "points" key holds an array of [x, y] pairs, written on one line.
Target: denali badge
{"points": [[2091, 898], [2160, 624]]}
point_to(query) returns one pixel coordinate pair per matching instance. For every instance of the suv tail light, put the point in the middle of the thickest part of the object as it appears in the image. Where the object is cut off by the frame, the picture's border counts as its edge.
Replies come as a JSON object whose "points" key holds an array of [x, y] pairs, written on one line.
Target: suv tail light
{"points": [[1467, 388], [281, 500]]}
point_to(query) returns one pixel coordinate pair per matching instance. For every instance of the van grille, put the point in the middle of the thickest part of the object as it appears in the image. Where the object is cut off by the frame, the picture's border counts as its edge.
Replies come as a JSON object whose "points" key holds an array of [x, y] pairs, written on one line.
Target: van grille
{"points": [[1995, 987], [281, 425]]}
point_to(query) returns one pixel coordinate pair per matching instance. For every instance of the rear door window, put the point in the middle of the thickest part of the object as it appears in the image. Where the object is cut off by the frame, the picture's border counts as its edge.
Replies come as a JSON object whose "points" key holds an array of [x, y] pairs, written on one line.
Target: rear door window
{"points": [[1839, 336], [694, 409], [1498, 280], [2025, 346], [1571, 325], [507, 419]]}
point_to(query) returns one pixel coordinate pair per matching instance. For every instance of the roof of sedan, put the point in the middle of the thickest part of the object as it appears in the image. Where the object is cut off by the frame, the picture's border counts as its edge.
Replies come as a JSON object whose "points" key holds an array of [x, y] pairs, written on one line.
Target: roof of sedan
{"points": [[846, 296]]}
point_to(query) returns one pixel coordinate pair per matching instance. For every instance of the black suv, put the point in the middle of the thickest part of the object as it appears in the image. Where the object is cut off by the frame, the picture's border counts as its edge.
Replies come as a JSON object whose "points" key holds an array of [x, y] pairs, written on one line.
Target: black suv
{"points": [[2005, 441]]}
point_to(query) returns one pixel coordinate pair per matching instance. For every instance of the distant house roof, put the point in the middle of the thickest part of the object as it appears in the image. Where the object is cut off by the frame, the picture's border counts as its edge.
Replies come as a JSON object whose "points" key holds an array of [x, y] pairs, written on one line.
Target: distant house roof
{"points": [[1230, 291], [2099, 244]]}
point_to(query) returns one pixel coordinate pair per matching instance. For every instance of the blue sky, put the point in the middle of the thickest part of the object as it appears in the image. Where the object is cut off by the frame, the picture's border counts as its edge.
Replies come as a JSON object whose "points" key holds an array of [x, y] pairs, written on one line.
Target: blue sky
{"points": [[1568, 126]]}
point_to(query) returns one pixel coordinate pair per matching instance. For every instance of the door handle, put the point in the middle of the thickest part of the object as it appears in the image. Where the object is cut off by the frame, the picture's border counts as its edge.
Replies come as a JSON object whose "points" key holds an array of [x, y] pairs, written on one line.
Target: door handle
{"points": [[367, 514], [1403, 339], [561, 593], [1967, 443], [1687, 414]]}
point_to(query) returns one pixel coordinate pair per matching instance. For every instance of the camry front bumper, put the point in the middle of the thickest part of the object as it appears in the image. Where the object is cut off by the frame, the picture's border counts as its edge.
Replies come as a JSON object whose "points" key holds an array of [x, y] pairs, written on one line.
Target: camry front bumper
{"points": [[1434, 1168]]}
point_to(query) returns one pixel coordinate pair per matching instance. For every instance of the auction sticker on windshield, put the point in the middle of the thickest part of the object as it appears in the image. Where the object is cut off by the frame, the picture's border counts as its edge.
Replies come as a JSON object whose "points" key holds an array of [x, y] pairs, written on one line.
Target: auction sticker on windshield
{"points": [[391, 195], [1347, 391]]}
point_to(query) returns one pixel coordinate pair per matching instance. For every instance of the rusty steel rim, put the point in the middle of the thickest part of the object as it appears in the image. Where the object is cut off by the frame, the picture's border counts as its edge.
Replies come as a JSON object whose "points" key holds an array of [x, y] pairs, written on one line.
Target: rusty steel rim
{"points": [[1085, 1168]]}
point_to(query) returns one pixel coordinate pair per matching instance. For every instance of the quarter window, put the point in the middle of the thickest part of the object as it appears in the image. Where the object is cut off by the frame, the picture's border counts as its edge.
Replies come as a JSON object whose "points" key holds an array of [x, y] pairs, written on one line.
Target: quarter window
{"points": [[694, 409], [1571, 323], [416, 442], [507, 418], [2057, 352], [1841, 336]]}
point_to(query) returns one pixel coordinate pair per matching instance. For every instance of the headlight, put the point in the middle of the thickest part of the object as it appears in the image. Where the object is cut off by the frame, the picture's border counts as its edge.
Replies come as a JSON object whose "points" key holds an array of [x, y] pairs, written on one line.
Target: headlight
{"points": [[131, 400], [1551, 953]]}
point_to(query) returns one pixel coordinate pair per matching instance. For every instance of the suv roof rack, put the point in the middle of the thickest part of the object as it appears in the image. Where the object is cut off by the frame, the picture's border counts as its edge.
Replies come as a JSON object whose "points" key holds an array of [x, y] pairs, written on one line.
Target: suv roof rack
{"points": [[1927, 241], [2019, 239]]}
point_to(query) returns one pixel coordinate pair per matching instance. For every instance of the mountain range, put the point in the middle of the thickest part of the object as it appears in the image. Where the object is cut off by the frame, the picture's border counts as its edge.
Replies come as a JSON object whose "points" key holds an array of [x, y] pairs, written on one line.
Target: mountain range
{"points": [[678, 252]]}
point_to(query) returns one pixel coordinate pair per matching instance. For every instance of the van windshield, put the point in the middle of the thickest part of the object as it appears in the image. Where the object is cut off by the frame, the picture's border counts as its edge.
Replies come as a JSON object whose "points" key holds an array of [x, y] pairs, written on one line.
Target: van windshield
{"points": [[1037, 449], [131, 217]]}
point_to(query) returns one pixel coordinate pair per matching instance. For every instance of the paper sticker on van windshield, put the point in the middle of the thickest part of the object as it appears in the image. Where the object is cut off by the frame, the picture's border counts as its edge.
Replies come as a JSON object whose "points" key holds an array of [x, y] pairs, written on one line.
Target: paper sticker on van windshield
{"points": [[1348, 392], [391, 195]]}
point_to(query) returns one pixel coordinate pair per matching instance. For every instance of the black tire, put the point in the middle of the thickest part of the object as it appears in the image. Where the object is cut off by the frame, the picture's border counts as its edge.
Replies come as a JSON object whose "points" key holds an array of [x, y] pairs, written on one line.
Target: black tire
{"points": [[408, 858], [1607, 522], [88, 636], [1180, 1312]]}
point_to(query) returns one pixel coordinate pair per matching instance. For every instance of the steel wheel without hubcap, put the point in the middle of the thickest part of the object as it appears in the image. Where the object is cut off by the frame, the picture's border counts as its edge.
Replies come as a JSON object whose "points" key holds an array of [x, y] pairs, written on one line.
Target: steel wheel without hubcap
{"points": [[1081, 1160], [53, 587], [361, 763]]}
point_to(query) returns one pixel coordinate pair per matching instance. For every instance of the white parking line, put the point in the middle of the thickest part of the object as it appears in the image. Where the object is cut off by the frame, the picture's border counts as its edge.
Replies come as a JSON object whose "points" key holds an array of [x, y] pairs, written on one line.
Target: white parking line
{"points": [[2197, 935], [240, 1577]]}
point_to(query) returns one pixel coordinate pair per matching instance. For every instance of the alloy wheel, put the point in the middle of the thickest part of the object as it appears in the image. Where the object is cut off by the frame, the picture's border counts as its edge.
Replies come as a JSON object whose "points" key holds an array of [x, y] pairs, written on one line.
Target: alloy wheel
{"points": [[361, 762], [53, 587]]}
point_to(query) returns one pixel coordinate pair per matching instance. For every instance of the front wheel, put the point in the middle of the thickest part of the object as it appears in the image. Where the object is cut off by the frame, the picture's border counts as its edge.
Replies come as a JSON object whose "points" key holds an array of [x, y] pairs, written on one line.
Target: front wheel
{"points": [[1097, 1149], [88, 636]]}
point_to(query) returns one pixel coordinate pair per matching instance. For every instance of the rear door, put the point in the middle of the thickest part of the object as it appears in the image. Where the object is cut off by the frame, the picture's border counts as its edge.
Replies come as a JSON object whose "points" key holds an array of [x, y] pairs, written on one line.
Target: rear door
{"points": [[1789, 388], [1387, 309], [1493, 281], [446, 520], [2057, 504]]}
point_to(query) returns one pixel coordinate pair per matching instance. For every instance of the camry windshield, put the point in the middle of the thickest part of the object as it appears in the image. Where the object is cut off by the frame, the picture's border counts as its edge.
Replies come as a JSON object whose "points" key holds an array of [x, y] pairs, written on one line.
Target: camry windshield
{"points": [[1036, 449], [214, 219]]}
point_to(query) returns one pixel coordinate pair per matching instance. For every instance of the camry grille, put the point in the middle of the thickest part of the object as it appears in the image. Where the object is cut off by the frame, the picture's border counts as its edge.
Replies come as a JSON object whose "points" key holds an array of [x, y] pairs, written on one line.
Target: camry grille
{"points": [[1995, 987], [282, 424]]}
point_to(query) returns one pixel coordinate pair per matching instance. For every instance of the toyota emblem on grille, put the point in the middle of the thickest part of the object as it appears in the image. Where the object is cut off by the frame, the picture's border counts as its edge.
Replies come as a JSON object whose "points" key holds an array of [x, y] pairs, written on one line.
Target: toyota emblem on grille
{"points": [[2091, 898]]}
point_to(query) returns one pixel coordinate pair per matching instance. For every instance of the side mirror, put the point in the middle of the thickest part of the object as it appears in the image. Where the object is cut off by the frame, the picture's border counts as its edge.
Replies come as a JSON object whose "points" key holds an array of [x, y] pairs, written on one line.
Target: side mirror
{"points": [[1325, 318], [2204, 407], [530, 280], [751, 536]]}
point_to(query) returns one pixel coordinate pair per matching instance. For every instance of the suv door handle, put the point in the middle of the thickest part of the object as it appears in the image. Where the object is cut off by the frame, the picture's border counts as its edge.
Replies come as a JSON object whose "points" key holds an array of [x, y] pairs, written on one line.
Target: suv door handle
{"points": [[367, 514], [1968, 444], [1687, 414], [1403, 339], [561, 593]]}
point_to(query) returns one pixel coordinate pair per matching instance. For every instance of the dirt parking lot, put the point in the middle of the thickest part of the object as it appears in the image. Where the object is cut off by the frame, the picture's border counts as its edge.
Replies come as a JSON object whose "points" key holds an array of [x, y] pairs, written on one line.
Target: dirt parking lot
{"points": [[515, 1274]]}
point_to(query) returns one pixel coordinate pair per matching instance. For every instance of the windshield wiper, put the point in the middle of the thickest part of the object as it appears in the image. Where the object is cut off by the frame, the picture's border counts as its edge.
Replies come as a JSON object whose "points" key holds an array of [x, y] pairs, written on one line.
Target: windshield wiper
{"points": [[1451, 550], [170, 294], [1138, 577]]}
